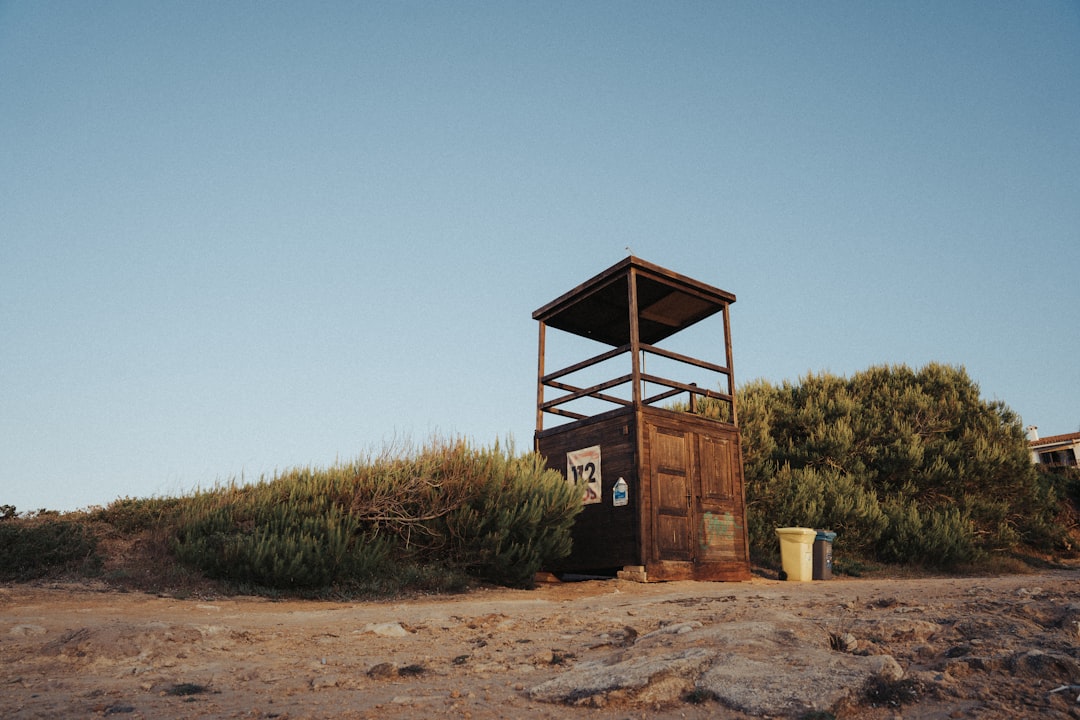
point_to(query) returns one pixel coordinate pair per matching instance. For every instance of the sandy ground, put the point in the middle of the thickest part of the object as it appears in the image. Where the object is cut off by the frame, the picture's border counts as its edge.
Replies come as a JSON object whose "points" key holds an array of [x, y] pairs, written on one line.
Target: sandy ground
{"points": [[970, 647]]}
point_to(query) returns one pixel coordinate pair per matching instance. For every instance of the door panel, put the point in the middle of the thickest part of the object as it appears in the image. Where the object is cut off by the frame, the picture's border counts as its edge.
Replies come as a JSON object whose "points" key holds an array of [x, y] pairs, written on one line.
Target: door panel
{"points": [[672, 492], [717, 471], [673, 534], [719, 528], [669, 449]]}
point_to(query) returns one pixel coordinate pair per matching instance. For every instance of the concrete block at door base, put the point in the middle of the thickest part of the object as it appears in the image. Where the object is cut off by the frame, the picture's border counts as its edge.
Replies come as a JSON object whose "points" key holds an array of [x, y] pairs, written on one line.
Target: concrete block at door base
{"points": [[636, 573]]}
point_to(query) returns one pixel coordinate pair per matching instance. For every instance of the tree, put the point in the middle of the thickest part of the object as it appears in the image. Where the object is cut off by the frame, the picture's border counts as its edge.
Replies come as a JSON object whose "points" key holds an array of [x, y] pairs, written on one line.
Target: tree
{"points": [[906, 465]]}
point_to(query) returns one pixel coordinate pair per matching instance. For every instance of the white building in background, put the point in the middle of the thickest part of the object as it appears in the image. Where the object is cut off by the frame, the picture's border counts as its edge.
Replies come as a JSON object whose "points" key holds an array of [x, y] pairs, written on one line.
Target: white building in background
{"points": [[1060, 450]]}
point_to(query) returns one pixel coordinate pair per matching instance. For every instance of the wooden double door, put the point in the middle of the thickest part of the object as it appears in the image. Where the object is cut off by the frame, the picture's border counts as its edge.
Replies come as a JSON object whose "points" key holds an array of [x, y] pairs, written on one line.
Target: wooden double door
{"points": [[698, 502]]}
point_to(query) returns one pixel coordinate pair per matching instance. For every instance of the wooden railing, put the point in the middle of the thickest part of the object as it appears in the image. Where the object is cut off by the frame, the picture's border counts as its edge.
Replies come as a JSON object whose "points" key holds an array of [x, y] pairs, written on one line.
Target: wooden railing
{"points": [[675, 388]]}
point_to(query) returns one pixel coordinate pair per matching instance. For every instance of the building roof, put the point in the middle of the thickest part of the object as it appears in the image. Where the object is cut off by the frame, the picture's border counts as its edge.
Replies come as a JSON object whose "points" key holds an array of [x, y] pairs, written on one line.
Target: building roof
{"points": [[1055, 440]]}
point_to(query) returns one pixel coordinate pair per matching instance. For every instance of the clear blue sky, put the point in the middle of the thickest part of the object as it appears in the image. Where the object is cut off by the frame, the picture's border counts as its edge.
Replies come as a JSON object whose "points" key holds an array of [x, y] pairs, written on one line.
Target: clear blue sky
{"points": [[240, 237]]}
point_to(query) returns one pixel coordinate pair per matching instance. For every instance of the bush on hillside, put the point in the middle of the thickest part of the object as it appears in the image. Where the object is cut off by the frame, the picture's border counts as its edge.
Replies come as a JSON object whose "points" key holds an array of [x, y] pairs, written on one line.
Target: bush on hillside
{"points": [[484, 512], [907, 466], [133, 515], [304, 542], [38, 546], [520, 518], [1056, 483]]}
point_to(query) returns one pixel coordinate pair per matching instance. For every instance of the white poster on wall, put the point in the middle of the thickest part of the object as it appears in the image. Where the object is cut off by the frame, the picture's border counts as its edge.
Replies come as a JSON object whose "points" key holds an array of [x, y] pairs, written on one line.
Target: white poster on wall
{"points": [[583, 472]]}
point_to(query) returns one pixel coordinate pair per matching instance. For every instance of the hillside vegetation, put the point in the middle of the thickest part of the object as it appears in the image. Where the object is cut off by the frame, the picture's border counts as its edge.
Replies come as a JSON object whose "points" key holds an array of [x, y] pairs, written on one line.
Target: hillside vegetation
{"points": [[432, 520], [908, 467]]}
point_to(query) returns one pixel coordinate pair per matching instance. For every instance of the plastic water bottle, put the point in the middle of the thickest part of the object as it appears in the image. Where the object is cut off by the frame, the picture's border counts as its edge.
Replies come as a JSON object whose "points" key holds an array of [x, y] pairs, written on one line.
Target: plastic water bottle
{"points": [[619, 494]]}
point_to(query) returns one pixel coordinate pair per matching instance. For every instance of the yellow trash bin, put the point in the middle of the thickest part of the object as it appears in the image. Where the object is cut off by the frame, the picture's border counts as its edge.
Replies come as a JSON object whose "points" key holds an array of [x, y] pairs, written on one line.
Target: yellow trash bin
{"points": [[797, 552]]}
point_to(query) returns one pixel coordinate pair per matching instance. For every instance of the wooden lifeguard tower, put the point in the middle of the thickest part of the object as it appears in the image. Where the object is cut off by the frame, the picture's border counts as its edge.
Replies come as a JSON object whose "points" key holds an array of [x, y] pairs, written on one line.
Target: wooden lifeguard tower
{"points": [[662, 482]]}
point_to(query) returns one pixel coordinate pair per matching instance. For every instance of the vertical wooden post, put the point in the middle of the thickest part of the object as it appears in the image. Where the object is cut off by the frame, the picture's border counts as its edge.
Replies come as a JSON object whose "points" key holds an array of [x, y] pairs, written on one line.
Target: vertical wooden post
{"points": [[540, 383], [730, 368], [635, 342]]}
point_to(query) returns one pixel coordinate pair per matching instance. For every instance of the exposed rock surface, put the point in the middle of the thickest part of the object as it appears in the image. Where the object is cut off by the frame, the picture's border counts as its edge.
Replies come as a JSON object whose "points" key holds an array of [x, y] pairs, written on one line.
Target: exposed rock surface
{"points": [[999, 647]]}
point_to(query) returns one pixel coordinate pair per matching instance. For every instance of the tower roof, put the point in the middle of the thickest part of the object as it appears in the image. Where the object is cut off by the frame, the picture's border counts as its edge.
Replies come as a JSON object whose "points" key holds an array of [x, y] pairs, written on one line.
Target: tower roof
{"points": [[667, 302]]}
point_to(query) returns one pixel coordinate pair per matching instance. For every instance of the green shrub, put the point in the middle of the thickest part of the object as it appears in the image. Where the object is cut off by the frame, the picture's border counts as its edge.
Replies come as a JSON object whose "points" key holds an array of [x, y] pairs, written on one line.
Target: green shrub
{"points": [[520, 517], [132, 515], [1065, 481], [33, 548], [417, 520], [939, 537], [906, 465], [1054, 509], [303, 543], [816, 498]]}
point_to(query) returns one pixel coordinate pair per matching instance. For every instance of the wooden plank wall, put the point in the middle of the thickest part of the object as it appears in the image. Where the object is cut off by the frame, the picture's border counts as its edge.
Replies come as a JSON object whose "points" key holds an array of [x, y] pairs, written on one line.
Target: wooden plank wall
{"points": [[605, 536]]}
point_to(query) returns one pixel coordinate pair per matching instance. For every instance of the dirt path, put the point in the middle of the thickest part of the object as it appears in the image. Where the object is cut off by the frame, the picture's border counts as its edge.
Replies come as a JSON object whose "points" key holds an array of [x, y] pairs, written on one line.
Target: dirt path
{"points": [[933, 648]]}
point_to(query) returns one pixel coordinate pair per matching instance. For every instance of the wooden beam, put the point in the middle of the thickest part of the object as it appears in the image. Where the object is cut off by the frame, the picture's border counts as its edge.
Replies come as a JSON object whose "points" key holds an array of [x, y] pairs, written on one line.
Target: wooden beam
{"points": [[597, 395], [662, 396], [684, 387], [587, 392], [684, 359], [730, 373], [567, 413], [635, 340], [585, 363]]}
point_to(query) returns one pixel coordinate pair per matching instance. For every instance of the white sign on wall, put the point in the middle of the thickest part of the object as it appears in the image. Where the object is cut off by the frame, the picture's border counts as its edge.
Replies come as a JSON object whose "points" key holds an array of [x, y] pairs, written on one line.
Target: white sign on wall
{"points": [[583, 472]]}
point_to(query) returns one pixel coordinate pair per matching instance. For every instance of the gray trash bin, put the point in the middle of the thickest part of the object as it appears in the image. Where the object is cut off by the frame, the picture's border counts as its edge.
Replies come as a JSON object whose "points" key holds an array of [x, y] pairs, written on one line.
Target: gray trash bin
{"points": [[823, 555]]}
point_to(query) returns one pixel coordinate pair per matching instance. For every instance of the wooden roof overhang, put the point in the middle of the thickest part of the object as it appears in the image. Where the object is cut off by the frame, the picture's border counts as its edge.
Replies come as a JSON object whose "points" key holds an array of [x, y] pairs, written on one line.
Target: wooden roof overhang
{"points": [[631, 306], [599, 308]]}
